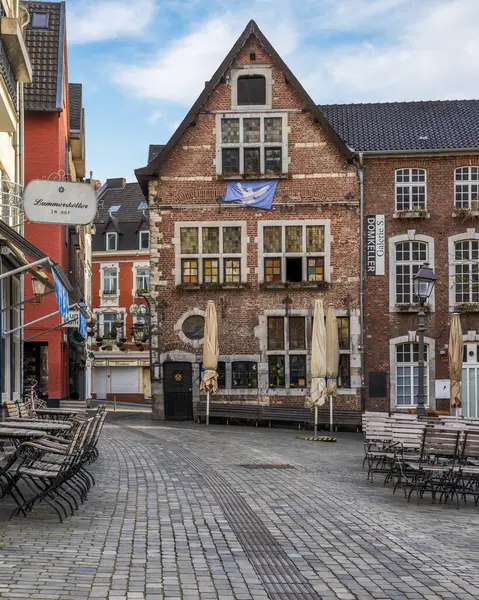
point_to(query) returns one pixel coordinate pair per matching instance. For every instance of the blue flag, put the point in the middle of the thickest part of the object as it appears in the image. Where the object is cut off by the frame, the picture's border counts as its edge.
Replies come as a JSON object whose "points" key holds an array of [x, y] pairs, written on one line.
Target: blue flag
{"points": [[62, 296], [258, 194], [82, 324]]}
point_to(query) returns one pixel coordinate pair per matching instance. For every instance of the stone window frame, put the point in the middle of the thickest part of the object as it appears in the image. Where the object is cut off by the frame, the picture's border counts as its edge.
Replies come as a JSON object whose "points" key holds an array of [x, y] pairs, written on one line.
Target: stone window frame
{"points": [[410, 236], [103, 268], [304, 255], [267, 72], [410, 185], [252, 114], [405, 339], [179, 328], [286, 351], [469, 182], [100, 318], [470, 235], [200, 256], [115, 237]]}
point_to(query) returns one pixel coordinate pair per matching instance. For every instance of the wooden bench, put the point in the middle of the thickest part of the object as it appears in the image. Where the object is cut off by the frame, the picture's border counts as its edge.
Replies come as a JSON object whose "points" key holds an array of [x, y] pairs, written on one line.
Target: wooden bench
{"points": [[229, 410], [341, 417], [285, 414]]}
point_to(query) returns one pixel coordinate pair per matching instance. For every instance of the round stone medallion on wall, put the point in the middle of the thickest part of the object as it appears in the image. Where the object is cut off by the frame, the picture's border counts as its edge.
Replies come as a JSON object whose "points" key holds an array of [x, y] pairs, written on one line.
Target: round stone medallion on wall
{"points": [[191, 327]]}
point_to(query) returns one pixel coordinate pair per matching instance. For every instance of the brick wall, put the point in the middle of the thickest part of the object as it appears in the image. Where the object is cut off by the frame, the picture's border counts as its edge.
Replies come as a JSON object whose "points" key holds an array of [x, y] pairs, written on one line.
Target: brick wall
{"points": [[188, 185], [380, 324]]}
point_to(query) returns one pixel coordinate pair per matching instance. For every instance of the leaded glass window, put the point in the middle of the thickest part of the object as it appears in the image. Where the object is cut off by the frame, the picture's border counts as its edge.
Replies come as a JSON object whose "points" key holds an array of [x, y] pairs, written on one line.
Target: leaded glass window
{"points": [[297, 333], [231, 240], [272, 241], [272, 270], [232, 270], [273, 160], [316, 269], [275, 333], [230, 131], [276, 371], [189, 270], [252, 160], [273, 129], [211, 240], [189, 240], [244, 374], [252, 131], [231, 163], [297, 371], [294, 238], [211, 270], [315, 238]]}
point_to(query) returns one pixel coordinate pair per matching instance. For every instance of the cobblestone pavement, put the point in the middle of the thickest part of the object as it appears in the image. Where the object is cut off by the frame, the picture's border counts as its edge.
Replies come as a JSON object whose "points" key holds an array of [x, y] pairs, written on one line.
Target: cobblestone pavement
{"points": [[175, 516]]}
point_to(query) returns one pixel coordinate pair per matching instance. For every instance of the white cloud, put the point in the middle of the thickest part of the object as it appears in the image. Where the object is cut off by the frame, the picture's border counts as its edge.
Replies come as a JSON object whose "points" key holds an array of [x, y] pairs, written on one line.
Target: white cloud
{"points": [[434, 56], [103, 20], [178, 73]]}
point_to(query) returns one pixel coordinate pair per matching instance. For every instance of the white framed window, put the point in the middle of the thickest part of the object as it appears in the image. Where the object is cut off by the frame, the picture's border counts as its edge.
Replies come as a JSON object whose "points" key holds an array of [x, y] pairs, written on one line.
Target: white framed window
{"points": [[294, 251], [212, 253], [410, 189], [111, 239], [409, 257], [466, 272], [110, 281], [109, 325], [252, 143], [143, 240], [142, 279], [466, 187], [407, 369]]}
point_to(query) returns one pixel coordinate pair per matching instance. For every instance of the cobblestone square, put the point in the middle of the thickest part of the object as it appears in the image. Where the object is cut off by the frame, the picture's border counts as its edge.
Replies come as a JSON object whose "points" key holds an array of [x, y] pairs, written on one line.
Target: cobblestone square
{"points": [[174, 515]]}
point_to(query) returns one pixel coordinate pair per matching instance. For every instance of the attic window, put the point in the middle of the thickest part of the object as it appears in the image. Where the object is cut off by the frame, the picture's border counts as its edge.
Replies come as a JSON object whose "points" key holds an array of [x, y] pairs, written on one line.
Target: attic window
{"points": [[142, 206], [115, 208], [40, 20], [251, 90]]}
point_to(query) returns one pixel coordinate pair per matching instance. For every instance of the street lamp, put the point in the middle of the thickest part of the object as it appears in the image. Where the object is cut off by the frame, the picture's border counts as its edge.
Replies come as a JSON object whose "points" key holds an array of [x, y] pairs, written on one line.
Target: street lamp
{"points": [[39, 280], [423, 281]]}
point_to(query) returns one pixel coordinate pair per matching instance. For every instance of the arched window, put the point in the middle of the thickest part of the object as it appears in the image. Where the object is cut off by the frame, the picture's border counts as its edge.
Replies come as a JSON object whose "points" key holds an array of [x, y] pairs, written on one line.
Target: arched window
{"points": [[410, 256], [407, 356], [251, 90], [466, 187], [410, 189], [466, 272]]}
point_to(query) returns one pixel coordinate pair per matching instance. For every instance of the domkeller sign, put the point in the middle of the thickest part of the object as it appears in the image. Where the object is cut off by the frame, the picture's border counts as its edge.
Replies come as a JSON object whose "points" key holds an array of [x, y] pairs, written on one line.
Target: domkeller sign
{"points": [[59, 202], [375, 244]]}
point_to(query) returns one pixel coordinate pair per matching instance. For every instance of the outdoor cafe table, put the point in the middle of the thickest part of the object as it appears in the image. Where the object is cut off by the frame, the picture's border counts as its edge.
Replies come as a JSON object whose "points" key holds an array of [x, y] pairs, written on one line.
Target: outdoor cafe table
{"points": [[52, 427], [58, 413], [19, 434]]}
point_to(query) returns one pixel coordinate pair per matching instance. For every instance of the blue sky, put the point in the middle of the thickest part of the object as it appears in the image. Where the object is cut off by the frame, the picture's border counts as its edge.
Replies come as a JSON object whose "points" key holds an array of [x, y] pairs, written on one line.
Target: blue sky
{"points": [[143, 62]]}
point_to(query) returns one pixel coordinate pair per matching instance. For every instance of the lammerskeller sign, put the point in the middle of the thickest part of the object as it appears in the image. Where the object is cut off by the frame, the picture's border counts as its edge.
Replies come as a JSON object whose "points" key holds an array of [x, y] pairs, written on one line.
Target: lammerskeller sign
{"points": [[59, 202]]}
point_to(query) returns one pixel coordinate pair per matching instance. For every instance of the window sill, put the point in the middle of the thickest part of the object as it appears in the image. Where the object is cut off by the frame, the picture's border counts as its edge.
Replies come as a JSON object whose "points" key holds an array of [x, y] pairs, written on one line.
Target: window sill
{"points": [[299, 285], [466, 214], [212, 286], [139, 293], [472, 307], [251, 176], [411, 308], [411, 214]]}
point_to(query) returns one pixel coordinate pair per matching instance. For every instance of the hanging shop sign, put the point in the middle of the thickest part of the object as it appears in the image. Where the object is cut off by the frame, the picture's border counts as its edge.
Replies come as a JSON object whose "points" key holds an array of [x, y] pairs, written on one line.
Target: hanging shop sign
{"points": [[59, 202], [375, 244]]}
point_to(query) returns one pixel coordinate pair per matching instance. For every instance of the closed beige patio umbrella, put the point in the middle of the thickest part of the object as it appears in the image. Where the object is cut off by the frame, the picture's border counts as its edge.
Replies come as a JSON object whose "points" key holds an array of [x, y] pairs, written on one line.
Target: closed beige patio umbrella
{"points": [[332, 359], [209, 382], [318, 361], [455, 352]]}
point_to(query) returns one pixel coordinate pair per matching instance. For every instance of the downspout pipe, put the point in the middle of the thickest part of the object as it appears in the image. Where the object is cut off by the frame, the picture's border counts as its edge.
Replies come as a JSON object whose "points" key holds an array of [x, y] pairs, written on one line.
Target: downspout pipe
{"points": [[360, 168]]}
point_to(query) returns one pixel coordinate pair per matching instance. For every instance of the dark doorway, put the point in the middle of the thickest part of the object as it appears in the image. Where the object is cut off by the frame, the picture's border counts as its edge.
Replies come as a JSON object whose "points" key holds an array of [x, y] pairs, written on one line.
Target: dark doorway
{"points": [[178, 391]]}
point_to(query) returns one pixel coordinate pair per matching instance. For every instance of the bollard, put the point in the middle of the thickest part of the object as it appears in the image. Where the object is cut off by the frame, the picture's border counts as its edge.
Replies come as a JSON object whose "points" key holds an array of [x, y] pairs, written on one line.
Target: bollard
{"points": [[114, 402]]}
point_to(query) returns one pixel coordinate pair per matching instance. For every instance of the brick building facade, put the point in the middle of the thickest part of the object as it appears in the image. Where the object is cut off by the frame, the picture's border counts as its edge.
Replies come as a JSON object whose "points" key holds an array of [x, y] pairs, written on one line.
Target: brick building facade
{"points": [[421, 174], [264, 268], [120, 272]]}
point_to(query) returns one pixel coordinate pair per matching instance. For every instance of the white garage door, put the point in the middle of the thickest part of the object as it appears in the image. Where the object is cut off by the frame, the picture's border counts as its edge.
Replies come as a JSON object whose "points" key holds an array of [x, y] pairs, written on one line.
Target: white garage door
{"points": [[100, 383], [124, 380]]}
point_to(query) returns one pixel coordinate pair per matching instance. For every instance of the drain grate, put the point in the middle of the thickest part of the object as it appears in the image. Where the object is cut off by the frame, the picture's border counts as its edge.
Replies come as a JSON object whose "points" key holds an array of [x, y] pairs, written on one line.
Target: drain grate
{"points": [[267, 466]]}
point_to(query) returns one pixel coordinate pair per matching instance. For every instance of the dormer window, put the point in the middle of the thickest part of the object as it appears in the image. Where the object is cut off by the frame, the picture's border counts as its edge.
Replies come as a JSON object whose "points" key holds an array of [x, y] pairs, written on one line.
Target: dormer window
{"points": [[112, 241], [144, 240], [251, 90]]}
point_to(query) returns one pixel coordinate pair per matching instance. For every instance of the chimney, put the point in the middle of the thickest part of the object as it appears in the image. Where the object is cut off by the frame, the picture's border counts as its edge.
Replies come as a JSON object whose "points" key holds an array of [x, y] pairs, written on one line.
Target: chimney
{"points": [[117, 183]]}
